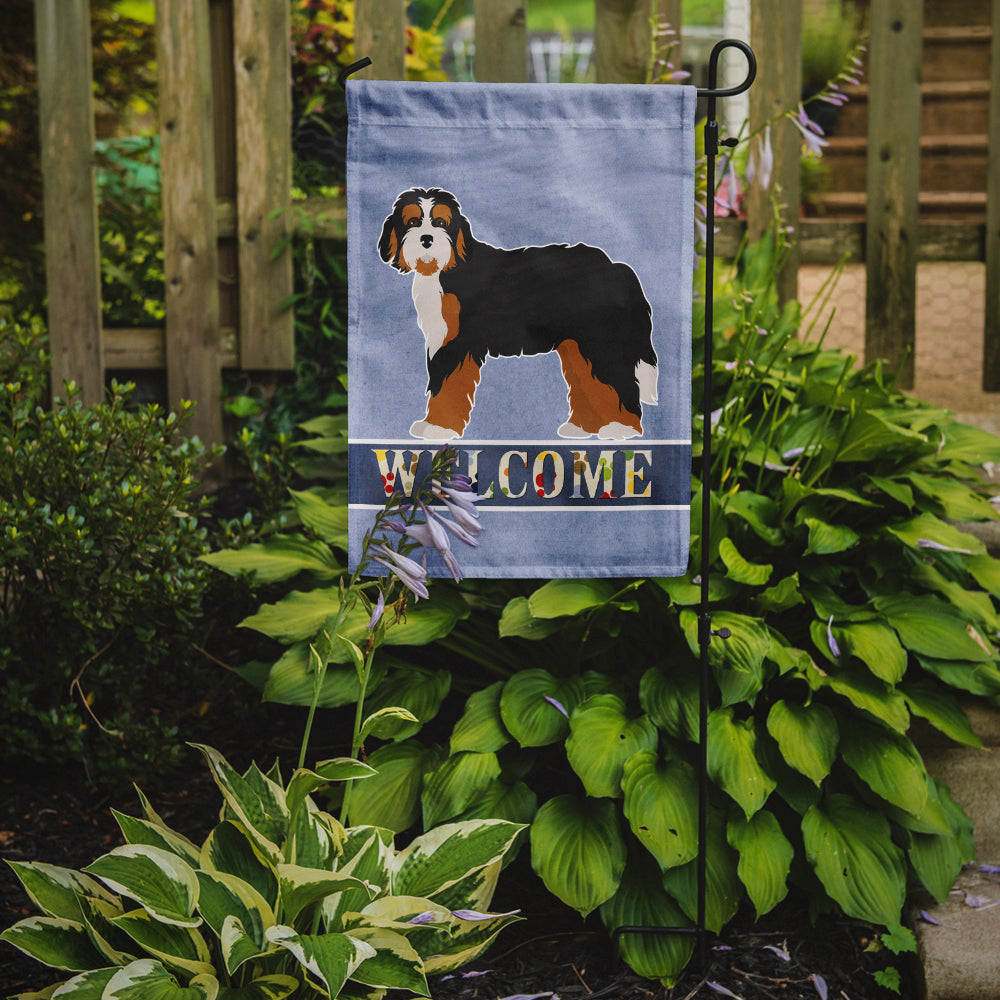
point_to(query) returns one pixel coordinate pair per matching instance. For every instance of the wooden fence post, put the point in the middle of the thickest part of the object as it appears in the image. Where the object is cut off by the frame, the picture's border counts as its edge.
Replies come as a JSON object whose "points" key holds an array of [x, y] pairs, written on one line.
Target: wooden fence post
{"points": [[776, 35], [501, 41], [893, 183], [262, 61], [72, 255], [190, 251], [621, 40], [380, 34], [991, 332]]}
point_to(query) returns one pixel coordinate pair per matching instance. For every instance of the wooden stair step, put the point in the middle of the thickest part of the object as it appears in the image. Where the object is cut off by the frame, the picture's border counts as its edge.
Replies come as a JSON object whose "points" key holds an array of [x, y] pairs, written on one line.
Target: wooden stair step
{"points": [[953, 204]]}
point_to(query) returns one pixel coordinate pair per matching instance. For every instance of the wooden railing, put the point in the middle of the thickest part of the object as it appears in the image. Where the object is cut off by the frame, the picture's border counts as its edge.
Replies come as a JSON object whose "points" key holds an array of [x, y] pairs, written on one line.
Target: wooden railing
{"points": [[226, 161]]}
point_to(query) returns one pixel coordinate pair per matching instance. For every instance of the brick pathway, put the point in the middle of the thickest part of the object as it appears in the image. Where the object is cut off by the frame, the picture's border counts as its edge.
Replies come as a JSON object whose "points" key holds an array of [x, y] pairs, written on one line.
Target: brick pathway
{"points": [[950, 312]]}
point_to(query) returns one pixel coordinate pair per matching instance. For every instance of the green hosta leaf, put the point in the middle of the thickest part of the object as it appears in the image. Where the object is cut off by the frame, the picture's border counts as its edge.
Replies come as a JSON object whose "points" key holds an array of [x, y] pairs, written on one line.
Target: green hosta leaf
{"points": [[578, 851], [661, 798], [986, 571], [765, 858], [876, 646], [928, 528], [415, 689], [941, 709], [965, 443], [957, 501], [395, 964], [641, 901], [738, 661], [456, 784], [301, 887], [683, 591], [54, 941], [387, 723], [56, 891], [932, 628], [739, 569], [732, 760], [279, 558], [261, 809], [559, 598], [230, 849], [330, 959], [391, 798], [893, 488], [937, 859], [783, 595], [671, 699], [327, 520], [147, 979], [976, 605], [865, 692], [180, 948], [226, 898], [870, 436], [807, 736], [517, 620], [888, 763], [291, 680], [159, 881], [827, 539], [481, 728], [274, 987], [976, 678], [758, 511], [723, 889], [528, 710], [602, 738], [850, 847], [515, 803], [438, 859], [141, 831]]}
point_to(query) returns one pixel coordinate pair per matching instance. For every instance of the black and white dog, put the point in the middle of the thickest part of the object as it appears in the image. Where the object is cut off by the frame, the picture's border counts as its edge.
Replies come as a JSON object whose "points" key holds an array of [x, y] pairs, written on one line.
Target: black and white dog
{"points": [[474, 300]]}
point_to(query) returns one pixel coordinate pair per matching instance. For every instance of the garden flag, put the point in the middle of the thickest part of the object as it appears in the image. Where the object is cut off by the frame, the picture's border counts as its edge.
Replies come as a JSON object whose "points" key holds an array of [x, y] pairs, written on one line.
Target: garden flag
{"points": [[520, 274]]}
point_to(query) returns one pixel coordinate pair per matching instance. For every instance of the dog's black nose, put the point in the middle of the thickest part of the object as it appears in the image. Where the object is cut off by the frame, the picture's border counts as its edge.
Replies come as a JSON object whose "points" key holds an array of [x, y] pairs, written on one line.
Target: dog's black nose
{"points": [[426, 240]]}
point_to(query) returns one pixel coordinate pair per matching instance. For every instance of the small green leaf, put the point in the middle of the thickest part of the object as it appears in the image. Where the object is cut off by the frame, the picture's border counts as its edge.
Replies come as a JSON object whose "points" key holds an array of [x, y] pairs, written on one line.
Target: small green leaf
{"points": [[481, 727], [391, 798], [828, 539], [888, 763], [739, 569], [807, 736], [518, 621], [732, 760], [670, 698], [559, 598], [327, 520], [535, 706], [456, 784], [765, 858], [930, 627], [279, 558]]}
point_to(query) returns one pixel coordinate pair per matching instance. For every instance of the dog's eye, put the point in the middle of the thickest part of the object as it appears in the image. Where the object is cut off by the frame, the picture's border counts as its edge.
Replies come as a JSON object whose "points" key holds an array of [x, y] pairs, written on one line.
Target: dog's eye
{"points": [[440, 223], [410, 223]]}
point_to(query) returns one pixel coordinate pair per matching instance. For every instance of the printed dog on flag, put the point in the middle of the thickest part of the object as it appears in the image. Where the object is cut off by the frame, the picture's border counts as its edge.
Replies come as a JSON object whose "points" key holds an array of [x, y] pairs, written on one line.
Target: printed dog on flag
{"points": [[474, 301]]}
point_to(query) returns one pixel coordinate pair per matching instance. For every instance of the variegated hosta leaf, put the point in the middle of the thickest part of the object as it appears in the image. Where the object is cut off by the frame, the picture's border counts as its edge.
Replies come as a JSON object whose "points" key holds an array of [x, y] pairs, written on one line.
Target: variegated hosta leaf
{"points": [[315, 838], [225, 897], [395, 964], [732, 760], [86, 986], [476, 890], [177, 947], [304, 782], [54, 941], [578, 851], [807, 736], [888, 763], [256, 801], [273, 987], [329, 959], [642, 902], [481, 727], [366, 855], [56, 891], [850, 847], [441, 857], [661, 799], [466, 941], [723, 889], [230, 849], [141, 831], [602, 737], [158, 880], [147, 979], [98, 915], [300, 887], [456, 784], [765, 858], [535, 706]]}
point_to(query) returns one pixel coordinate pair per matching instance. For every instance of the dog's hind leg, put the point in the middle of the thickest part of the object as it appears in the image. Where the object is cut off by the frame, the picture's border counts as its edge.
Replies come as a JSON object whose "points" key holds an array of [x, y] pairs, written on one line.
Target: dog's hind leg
{"points": [[594, 406]]}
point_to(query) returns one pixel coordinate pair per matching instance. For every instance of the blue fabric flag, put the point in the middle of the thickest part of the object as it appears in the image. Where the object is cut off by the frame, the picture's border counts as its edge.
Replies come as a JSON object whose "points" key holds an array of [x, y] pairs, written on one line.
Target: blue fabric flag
{"points": [[520, 261]]}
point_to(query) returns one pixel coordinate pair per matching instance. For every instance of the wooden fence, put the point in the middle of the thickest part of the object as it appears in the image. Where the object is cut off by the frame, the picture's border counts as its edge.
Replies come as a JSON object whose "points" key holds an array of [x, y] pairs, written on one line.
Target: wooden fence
{"points": [[226, 160]]}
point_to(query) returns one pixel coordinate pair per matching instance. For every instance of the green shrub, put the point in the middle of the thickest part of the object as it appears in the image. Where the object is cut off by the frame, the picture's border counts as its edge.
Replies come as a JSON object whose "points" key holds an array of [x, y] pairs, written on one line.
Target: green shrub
{"points": [[279, 900], [99, 541], [854, 604]]}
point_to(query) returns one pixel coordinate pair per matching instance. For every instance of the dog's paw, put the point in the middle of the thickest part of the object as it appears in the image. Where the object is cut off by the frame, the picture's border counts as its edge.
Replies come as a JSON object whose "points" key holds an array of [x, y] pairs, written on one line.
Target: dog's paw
{"points": [[569, 430], [616, 431], [432, 432]]}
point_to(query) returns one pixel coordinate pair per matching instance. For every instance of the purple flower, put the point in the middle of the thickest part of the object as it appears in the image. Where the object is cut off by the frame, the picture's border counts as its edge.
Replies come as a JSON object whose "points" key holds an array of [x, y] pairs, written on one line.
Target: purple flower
{"points": [[475, 915], [927, 543], [820, 983], [410, 573], [811, 132], [427, 917], [780, 952], [719, 988], [377, 612], [834, 648], [558, 705], [761, 163]]}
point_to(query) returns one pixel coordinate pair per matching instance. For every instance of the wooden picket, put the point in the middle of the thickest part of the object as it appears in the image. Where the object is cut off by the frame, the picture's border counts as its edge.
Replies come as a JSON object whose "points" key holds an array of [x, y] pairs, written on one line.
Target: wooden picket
{"points": [[226, 161]]}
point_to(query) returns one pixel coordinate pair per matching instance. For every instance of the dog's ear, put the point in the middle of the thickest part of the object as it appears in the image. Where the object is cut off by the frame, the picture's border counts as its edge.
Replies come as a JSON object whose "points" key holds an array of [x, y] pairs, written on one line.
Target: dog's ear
{"points": [[388, 244]]}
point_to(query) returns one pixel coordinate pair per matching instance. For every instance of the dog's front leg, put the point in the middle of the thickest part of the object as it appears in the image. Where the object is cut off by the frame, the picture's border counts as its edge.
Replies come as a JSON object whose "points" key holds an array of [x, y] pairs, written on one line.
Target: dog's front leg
{"points": [[449, 409]]}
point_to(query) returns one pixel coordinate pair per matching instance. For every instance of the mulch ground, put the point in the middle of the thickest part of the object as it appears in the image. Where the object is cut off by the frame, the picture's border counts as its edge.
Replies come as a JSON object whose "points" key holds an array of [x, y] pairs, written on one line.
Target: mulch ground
{"points": [[551, 952]]}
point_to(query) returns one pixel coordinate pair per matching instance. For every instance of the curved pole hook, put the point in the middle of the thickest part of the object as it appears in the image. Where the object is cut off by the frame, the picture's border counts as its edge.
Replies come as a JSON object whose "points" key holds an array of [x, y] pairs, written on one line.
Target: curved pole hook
{"points": [[353, 68], [713, 69]]}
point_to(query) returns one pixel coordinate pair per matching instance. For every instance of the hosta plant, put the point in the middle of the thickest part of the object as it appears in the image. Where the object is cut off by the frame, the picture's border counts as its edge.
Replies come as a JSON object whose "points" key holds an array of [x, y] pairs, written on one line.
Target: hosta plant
{"points": [[279, 900]]}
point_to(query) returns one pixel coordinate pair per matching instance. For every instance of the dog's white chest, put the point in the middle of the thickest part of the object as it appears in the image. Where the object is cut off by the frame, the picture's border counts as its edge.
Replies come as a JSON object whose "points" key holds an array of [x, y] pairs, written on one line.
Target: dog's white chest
{"points": [[428, 300]]}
